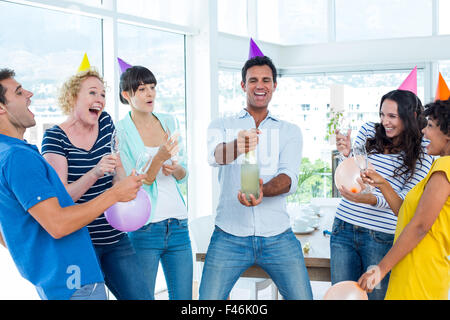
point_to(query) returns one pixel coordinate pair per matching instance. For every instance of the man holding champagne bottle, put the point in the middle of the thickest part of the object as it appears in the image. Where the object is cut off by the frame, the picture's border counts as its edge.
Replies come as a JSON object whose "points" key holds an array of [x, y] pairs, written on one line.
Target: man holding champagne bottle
{"points": [[254, 149]]}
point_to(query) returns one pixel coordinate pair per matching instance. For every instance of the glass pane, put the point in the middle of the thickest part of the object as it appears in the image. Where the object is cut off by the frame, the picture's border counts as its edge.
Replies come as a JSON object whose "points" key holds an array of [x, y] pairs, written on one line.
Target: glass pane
{"points": [[162, 53], [444, 21], [232, 16], [231, 96], [444, 69], [93, 3], [173, 11], [305, 101], [291, 22], [378, 19], [44, 56], [361, 94]]}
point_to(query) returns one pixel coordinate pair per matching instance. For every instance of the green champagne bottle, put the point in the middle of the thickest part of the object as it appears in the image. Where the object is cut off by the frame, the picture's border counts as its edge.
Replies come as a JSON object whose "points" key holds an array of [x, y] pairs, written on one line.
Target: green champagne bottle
{"points": [[250, 175]]}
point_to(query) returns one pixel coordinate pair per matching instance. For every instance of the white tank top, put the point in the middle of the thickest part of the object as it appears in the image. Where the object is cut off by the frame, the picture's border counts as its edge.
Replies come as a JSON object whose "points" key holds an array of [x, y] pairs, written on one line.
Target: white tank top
{"points": [[169, 203]]}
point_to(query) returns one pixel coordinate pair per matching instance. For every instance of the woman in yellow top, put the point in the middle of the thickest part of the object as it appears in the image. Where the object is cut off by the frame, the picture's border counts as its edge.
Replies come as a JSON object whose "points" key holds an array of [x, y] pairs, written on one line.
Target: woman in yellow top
{"points": [[420, 256]]}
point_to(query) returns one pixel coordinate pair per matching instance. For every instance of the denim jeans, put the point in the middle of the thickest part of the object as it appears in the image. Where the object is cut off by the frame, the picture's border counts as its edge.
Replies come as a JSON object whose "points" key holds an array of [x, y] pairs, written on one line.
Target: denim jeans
{"points": [[229, 256], [353, 249], [167, 242], [122, 271], [93, 291]]}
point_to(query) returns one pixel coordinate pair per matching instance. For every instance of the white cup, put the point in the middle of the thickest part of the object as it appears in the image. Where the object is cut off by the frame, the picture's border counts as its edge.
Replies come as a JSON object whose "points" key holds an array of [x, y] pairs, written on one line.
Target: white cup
{"points": [[300, 225]]}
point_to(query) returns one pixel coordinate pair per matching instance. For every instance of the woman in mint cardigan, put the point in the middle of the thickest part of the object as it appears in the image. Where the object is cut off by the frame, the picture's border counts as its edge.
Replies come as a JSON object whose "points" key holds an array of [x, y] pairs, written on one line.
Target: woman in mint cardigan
{"points": [[165, 237]]}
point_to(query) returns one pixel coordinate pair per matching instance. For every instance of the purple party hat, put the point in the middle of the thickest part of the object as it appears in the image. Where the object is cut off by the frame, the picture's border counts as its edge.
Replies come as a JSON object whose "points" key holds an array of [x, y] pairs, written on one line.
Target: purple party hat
{"points": [[123, 65], [254, 50]]}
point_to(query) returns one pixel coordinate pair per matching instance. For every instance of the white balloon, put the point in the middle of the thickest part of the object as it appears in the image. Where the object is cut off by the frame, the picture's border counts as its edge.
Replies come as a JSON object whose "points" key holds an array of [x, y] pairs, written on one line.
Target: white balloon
{"points": [[347, 174]]}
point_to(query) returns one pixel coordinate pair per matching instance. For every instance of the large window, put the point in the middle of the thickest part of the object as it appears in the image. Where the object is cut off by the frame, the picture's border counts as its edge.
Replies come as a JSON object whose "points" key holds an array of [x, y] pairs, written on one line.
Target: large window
{"points": [[95, 3], [381, 19], [231, 95], [43, 55], [306, 99], [294, 22], [444, 22], [172, 11], [49, 48], [291, 22], [444, 69], [232, 17], [163, 54]]}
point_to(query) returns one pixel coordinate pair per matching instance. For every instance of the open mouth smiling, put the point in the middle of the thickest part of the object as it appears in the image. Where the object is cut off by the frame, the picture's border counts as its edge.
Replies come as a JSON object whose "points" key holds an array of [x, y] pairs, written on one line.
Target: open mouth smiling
{"points": [[96, 110]]}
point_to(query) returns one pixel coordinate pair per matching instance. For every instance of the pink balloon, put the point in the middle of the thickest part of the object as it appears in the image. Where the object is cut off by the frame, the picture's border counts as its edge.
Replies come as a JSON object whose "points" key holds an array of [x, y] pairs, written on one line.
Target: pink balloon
{"points": [[131, 215], [347, 173], [345, 290]]}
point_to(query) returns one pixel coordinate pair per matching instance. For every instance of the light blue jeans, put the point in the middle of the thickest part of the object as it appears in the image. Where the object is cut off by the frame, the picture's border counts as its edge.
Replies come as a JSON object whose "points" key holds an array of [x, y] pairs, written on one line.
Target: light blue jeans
{"points": [[122, 271], [167, 242], [93, 291], [353, 249], [229, 256]]}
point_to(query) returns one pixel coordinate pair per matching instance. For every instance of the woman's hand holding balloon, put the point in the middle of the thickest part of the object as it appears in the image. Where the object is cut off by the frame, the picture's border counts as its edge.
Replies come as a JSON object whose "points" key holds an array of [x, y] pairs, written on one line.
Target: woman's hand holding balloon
{"points": [[358, 197], [126, 189]]}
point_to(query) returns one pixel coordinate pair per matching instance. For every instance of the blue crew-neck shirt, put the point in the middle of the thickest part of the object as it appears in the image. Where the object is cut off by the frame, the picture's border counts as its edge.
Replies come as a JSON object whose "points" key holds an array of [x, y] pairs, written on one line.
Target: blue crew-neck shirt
{"points": [[56, 267]]}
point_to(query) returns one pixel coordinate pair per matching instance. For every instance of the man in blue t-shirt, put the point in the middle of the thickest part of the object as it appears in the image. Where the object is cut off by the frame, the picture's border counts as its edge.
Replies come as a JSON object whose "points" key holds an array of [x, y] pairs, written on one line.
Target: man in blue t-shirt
{"points": [[39, 224]]}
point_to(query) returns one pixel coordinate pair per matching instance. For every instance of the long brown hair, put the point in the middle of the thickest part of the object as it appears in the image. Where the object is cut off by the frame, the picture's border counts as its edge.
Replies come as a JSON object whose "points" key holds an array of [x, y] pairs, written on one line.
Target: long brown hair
{"points": [[409, 142]]}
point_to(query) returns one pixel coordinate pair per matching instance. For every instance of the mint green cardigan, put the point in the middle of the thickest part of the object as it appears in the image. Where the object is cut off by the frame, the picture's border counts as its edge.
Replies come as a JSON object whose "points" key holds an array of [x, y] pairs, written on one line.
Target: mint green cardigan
{"points": [[131, 146]]}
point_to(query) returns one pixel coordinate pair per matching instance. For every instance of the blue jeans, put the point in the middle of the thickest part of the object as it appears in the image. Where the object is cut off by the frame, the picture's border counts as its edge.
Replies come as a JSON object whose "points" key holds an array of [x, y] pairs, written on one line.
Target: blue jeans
{"points": [[122, 271], [167, 242], [93, 291], [353, 249], [229, 256]]}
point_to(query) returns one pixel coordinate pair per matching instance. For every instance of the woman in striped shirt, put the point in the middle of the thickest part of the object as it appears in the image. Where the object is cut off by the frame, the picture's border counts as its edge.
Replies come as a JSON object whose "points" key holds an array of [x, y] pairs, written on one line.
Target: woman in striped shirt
{"points": [[79, 150], [364, 226]]}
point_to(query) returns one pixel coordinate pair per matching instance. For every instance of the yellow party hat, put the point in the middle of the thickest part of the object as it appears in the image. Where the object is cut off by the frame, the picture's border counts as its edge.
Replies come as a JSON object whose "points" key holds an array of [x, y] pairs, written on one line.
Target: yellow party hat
{"points": [[85, 65]]}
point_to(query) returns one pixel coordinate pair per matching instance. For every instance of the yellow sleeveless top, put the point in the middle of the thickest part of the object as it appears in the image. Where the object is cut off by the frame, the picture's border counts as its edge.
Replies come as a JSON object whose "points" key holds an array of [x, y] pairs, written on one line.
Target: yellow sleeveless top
{"points": [[424, 273]]}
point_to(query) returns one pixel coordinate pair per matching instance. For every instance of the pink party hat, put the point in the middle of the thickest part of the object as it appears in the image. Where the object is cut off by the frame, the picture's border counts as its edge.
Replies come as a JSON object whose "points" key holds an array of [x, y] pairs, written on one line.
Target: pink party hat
{"points": [[410, 83], [254, 50], [123, 65]]}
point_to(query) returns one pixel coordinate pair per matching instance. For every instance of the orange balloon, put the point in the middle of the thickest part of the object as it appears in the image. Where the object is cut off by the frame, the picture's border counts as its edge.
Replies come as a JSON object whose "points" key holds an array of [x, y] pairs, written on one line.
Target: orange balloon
{"points": [[345, 290], [347, 173]]}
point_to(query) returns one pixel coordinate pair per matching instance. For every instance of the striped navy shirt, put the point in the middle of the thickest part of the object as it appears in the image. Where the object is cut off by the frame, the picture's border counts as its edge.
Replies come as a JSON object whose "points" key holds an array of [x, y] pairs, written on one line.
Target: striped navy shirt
{"points": [[380, 216], [79, 162]]}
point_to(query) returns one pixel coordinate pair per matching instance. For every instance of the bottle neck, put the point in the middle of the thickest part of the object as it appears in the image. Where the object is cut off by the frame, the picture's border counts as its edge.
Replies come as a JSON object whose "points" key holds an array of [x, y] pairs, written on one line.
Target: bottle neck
{"points": [[250, 157]]}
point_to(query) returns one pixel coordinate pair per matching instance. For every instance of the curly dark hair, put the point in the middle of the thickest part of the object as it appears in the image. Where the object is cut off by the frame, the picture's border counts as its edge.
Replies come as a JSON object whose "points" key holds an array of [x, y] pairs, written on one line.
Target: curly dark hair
{"points": [[409, 142], [439, 111]]}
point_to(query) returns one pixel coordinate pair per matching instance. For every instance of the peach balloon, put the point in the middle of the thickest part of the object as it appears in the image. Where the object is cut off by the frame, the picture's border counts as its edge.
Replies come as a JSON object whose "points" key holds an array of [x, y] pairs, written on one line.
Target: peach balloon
{"points": [[345, 290], [347, 174]]}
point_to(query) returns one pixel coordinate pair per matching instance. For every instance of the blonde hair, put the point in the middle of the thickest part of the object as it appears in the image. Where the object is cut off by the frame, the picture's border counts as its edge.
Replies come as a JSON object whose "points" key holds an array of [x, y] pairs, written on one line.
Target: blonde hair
{"points": [[69, 91]]}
